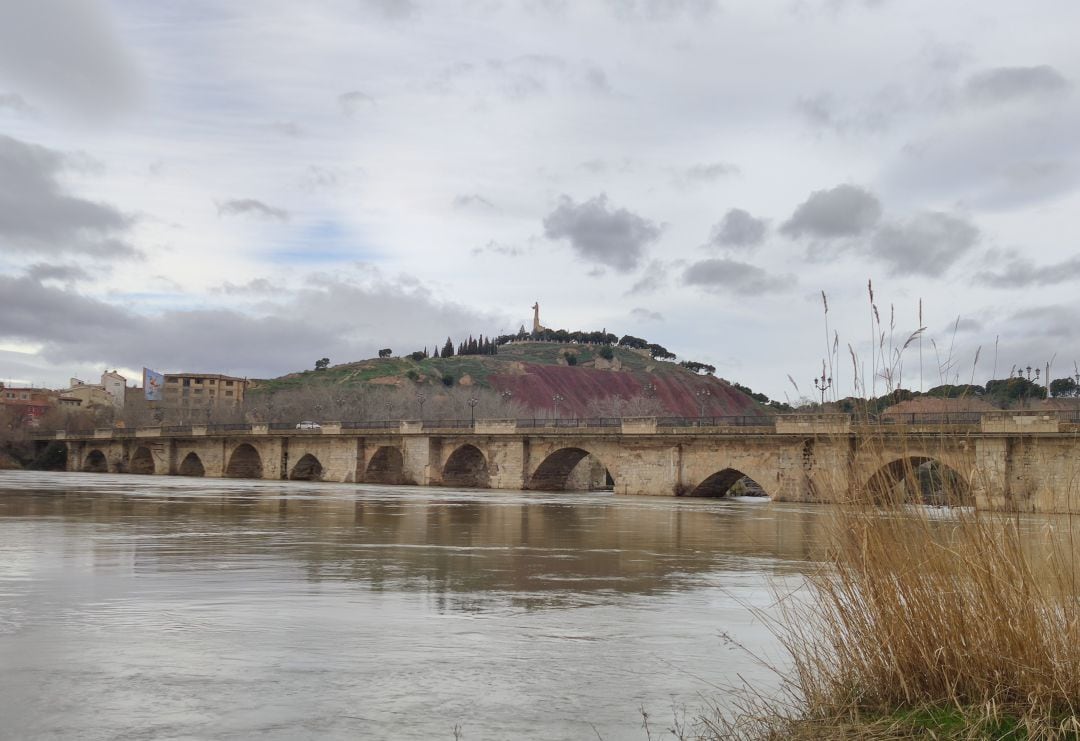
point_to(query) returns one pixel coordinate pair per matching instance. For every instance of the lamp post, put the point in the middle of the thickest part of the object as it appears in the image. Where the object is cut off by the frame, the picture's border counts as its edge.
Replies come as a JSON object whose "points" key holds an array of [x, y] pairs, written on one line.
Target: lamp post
{"points": [[702, 395], [1025, 374], [472, 402], [823, 384], [388, 411], [555, 399], [420, 399]]}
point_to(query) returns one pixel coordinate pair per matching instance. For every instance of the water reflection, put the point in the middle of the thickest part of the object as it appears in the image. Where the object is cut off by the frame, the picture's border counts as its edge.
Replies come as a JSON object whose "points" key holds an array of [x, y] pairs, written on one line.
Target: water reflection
{"points": [[227, 609]]}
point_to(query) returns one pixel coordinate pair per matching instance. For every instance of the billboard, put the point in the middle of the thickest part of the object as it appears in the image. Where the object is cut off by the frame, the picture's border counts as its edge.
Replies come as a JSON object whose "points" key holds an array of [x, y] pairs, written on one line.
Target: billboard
{"points": [[153, 384]]}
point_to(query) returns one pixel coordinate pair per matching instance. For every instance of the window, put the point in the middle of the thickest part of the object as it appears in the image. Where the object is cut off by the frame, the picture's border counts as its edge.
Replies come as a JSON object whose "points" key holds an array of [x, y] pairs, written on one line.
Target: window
{"points": [[187, 382], [212, 382], [228, 392], [228, 383]]}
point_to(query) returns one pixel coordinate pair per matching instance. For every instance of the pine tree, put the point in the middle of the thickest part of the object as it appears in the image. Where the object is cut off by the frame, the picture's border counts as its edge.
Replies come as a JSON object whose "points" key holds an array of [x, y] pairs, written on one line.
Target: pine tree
{"points": [[435, 352], [448, 349]]}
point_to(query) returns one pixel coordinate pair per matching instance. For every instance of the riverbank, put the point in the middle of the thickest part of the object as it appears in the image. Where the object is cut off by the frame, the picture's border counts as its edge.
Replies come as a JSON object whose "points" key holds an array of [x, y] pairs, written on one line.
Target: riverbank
{"points": [[925, 622]]}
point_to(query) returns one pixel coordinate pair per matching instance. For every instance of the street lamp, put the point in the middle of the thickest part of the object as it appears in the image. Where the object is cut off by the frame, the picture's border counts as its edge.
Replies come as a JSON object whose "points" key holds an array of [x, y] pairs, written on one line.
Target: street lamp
{"points": [[702, 395], [388, 404], [472, 402], [420, 399], [823, 384], [555, 399]]}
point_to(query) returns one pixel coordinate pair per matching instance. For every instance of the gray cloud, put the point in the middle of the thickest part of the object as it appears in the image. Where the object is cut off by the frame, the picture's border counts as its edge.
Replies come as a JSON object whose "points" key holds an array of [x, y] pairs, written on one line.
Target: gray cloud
{"points": [[473, 199], [646, 315], [653, 278], [615, 238], [37, 215], [290, 129], [354, 101], [1009, 83], [731, 276], [336, 317], [873, 115], [1023, 273], [738, 229], [254, 287], [69, 51], [497, 248], [707, 173], [251, 206], [663, 10], [926, 244], [843, 211], [14, 102], [40, 271]]}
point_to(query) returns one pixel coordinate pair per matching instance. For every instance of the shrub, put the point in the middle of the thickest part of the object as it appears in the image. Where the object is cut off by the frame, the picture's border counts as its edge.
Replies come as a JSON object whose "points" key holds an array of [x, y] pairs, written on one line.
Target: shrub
{"points": [[447, 379], [607, 353]]}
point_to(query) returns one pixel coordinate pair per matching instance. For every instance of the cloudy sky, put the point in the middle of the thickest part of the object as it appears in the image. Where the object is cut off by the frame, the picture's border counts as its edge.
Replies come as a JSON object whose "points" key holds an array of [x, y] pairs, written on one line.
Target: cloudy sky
{"points": [[247, 187]]}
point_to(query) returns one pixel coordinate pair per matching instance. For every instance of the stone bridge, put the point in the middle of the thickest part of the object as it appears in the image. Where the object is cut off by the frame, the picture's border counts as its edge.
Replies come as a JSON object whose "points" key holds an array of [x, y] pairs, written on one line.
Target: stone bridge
{"points": [[1001, 460]]}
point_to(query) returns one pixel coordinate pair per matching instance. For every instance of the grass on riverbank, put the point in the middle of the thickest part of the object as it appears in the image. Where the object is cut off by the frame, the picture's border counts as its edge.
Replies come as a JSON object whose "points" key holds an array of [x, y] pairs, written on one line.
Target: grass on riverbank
{"points": [[940, 623]]}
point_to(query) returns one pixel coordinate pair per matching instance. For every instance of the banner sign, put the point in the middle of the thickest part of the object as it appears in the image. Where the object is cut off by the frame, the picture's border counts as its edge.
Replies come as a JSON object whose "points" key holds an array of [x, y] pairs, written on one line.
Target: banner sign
{"points": [[153, 384]]}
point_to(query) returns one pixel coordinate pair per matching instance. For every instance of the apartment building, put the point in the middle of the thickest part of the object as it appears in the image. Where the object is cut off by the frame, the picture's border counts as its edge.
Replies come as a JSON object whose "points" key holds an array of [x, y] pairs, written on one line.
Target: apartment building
{"points": [[203, 391]]}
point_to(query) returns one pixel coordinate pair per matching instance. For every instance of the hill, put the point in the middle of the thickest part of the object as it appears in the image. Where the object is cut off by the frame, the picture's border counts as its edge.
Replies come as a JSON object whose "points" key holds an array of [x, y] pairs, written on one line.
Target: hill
{"points": [[533, 372]]}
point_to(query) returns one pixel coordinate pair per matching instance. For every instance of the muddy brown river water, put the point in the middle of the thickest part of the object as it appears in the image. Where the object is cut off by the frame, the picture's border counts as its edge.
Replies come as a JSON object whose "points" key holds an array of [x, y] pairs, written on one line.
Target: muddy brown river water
{"points": [[139, 607]]}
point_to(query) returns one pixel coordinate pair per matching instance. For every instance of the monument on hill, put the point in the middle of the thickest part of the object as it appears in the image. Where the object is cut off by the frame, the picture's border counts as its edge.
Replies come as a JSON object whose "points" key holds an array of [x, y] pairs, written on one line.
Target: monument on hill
{"points": [[537, 326]]}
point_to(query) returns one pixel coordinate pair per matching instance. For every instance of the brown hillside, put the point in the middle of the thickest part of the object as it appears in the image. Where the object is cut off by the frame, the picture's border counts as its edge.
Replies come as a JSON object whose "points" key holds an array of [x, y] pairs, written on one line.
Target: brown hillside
{"points": [[676, 390]]}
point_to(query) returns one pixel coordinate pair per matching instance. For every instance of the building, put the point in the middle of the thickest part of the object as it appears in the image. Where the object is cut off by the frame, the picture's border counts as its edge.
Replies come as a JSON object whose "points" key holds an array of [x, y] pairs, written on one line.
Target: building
{"points": [[28, 403], [109, 393], [203, 391]]}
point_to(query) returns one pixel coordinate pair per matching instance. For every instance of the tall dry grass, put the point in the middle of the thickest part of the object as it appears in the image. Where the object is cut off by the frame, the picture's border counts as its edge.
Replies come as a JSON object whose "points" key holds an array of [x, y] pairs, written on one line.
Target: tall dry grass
{"points": [[925, 622]]}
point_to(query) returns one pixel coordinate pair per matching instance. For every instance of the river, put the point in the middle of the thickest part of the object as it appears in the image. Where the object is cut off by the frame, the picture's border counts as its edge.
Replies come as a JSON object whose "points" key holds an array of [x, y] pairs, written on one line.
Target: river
{"points": [[149, 607]]}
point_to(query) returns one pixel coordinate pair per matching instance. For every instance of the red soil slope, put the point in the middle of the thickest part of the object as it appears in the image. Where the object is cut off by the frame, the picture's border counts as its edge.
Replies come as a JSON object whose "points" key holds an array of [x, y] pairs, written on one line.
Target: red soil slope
{"points": [[677, 390]]}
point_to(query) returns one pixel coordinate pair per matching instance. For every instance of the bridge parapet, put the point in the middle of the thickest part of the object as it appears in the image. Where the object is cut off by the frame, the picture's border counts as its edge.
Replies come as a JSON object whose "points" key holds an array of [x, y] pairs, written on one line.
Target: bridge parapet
{"points": [[639, 425], [495, 426], [103, 433], [1018, 421], [147, 432], [813, 424], [198, 430]]}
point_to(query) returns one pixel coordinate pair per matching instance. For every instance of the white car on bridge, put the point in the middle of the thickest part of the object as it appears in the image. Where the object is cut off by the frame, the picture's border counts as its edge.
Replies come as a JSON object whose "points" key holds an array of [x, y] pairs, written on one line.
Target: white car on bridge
{"points": [[308, 425]]}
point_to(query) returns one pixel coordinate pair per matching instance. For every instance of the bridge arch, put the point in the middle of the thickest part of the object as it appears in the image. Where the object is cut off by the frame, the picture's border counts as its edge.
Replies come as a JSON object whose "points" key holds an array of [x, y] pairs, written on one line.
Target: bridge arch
{"points": [[727, 483], [244, 463], [387, 466], [96, 462], [918, 480], [308, 468], [466, 467], [192, 465], [142, 461], [571, 468]]}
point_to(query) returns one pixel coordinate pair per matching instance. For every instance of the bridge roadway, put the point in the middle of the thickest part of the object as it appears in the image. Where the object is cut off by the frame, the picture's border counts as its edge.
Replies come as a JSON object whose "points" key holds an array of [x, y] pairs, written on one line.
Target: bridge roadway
{"points": [[1005, 460]]}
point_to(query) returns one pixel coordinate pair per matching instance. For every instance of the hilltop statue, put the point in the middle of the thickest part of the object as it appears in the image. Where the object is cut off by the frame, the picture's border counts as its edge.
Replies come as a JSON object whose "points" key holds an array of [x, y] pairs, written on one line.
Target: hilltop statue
{"points": [[537, 326]]}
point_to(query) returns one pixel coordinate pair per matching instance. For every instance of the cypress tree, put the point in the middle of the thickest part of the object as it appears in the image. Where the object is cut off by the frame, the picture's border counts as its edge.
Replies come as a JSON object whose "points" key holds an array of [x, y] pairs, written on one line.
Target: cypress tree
{"points": [[448, 349]]}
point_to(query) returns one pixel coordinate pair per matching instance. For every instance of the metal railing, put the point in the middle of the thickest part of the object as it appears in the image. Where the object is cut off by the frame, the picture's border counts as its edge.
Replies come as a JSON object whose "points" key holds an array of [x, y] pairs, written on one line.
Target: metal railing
{"points": [[738, 420], [928, 418]]}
